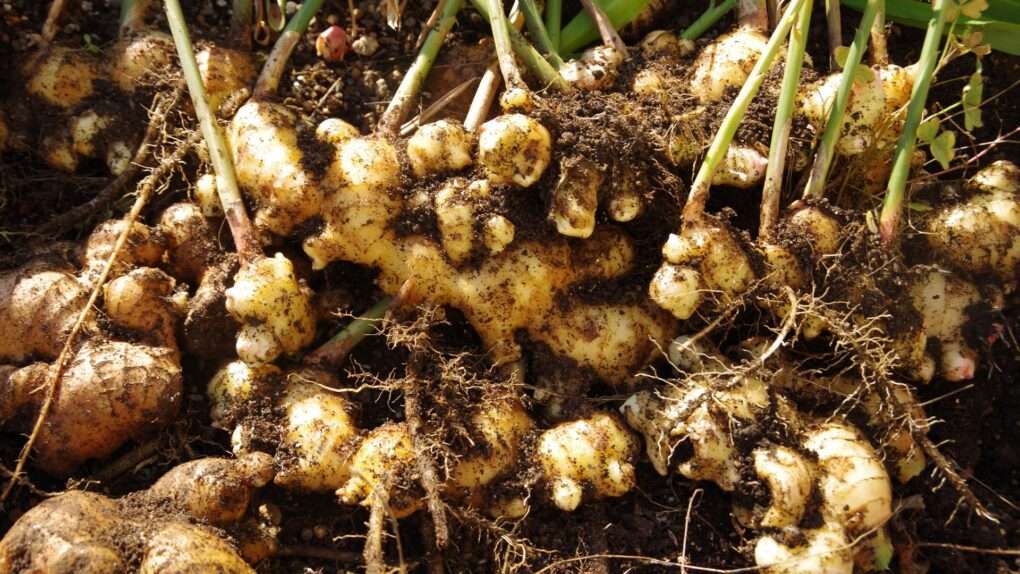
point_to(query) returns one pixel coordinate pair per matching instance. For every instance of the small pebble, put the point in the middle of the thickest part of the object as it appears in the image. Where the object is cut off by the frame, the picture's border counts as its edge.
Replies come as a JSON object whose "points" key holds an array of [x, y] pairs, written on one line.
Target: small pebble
{"points": [[321, 531], [365, 45], [291, 7]]}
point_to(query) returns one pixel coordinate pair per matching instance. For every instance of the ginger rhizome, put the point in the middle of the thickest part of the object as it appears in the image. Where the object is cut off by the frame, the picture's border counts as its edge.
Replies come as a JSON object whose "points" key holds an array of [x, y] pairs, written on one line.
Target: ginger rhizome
{"points": [[720, 400], [95, 98], [124, 378], [80, 531]]}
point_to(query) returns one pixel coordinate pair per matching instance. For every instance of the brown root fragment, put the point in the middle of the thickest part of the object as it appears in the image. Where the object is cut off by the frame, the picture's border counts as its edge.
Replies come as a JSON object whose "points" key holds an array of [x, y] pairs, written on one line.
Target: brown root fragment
{"points": [[375, 562], [426, 466]]}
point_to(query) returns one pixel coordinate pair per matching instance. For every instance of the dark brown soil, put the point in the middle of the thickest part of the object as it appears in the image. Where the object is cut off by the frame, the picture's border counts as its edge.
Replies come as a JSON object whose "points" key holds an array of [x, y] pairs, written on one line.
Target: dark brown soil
{"points": [[664, 520]]}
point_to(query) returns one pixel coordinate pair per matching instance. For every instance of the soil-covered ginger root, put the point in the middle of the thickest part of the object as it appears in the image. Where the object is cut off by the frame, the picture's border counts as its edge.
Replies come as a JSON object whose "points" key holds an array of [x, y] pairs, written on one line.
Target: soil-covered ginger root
{"points": [[274, 309], [981, 234], [111, 390], [596, 452], [318, 444], [871, 120], [172, 527], [95, 99], [708, 411], [501, 283]]}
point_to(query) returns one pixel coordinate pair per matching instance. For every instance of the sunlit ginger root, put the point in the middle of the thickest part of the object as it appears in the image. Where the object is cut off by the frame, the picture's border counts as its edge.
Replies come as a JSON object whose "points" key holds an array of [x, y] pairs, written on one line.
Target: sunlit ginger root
{"points": [[704, 260], [981, 234], [317, 430], [516, 289], [274, 310], [268, 161], [873, 102], [596, 452], [382, 466], [502, 426], [708, 410]]}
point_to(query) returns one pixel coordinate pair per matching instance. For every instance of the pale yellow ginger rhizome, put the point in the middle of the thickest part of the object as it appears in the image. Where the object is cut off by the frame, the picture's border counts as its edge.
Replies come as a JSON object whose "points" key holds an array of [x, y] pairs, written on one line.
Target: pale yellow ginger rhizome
{"points": [[596, 452], [853, 487], [515, 286], [67, 78], [274, 309], [981, 235], [704, 261]]}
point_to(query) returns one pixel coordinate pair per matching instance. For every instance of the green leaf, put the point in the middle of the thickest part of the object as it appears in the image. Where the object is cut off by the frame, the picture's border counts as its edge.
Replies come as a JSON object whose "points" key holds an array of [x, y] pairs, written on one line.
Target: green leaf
{"points": [[999, 24], [942, 148], [920, 206], [581, 31], [864, 74], [927, 130], [840, 55], [973, 93], [90, 44]]}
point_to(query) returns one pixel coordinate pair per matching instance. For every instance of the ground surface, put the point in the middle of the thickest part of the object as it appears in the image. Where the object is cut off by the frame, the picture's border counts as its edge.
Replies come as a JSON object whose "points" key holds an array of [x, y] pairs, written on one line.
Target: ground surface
{"points": [[662, 520]]}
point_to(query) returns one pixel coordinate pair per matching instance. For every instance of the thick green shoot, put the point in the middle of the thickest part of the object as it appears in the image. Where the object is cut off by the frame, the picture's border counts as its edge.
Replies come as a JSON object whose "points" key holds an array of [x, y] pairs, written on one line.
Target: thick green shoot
{"points": [[582, 31], [707, 19], [896, 189], [999, 24]]}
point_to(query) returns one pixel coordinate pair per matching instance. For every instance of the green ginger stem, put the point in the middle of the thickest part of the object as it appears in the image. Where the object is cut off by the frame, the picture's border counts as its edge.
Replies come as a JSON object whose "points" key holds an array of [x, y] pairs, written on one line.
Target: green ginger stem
{"points": [[524, 50], [707, 19], [536, 28], [410, 85], [698, 194], [892, 206], [272, 71], [554, 22], [815, 188], [772, 191], [226, 179]]}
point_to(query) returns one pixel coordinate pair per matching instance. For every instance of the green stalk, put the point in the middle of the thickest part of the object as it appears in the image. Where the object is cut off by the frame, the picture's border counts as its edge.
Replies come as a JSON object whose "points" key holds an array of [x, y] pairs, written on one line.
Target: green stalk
{"points": [[772, 190], [272, 71], [340, 345], [717, 151], [537, 30], [582, 31], [410, 85], [999, 23], [553, 22], [834, 126], [893, 204], [526, 52], [707, 19], [230, 196], [504, 50]]}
